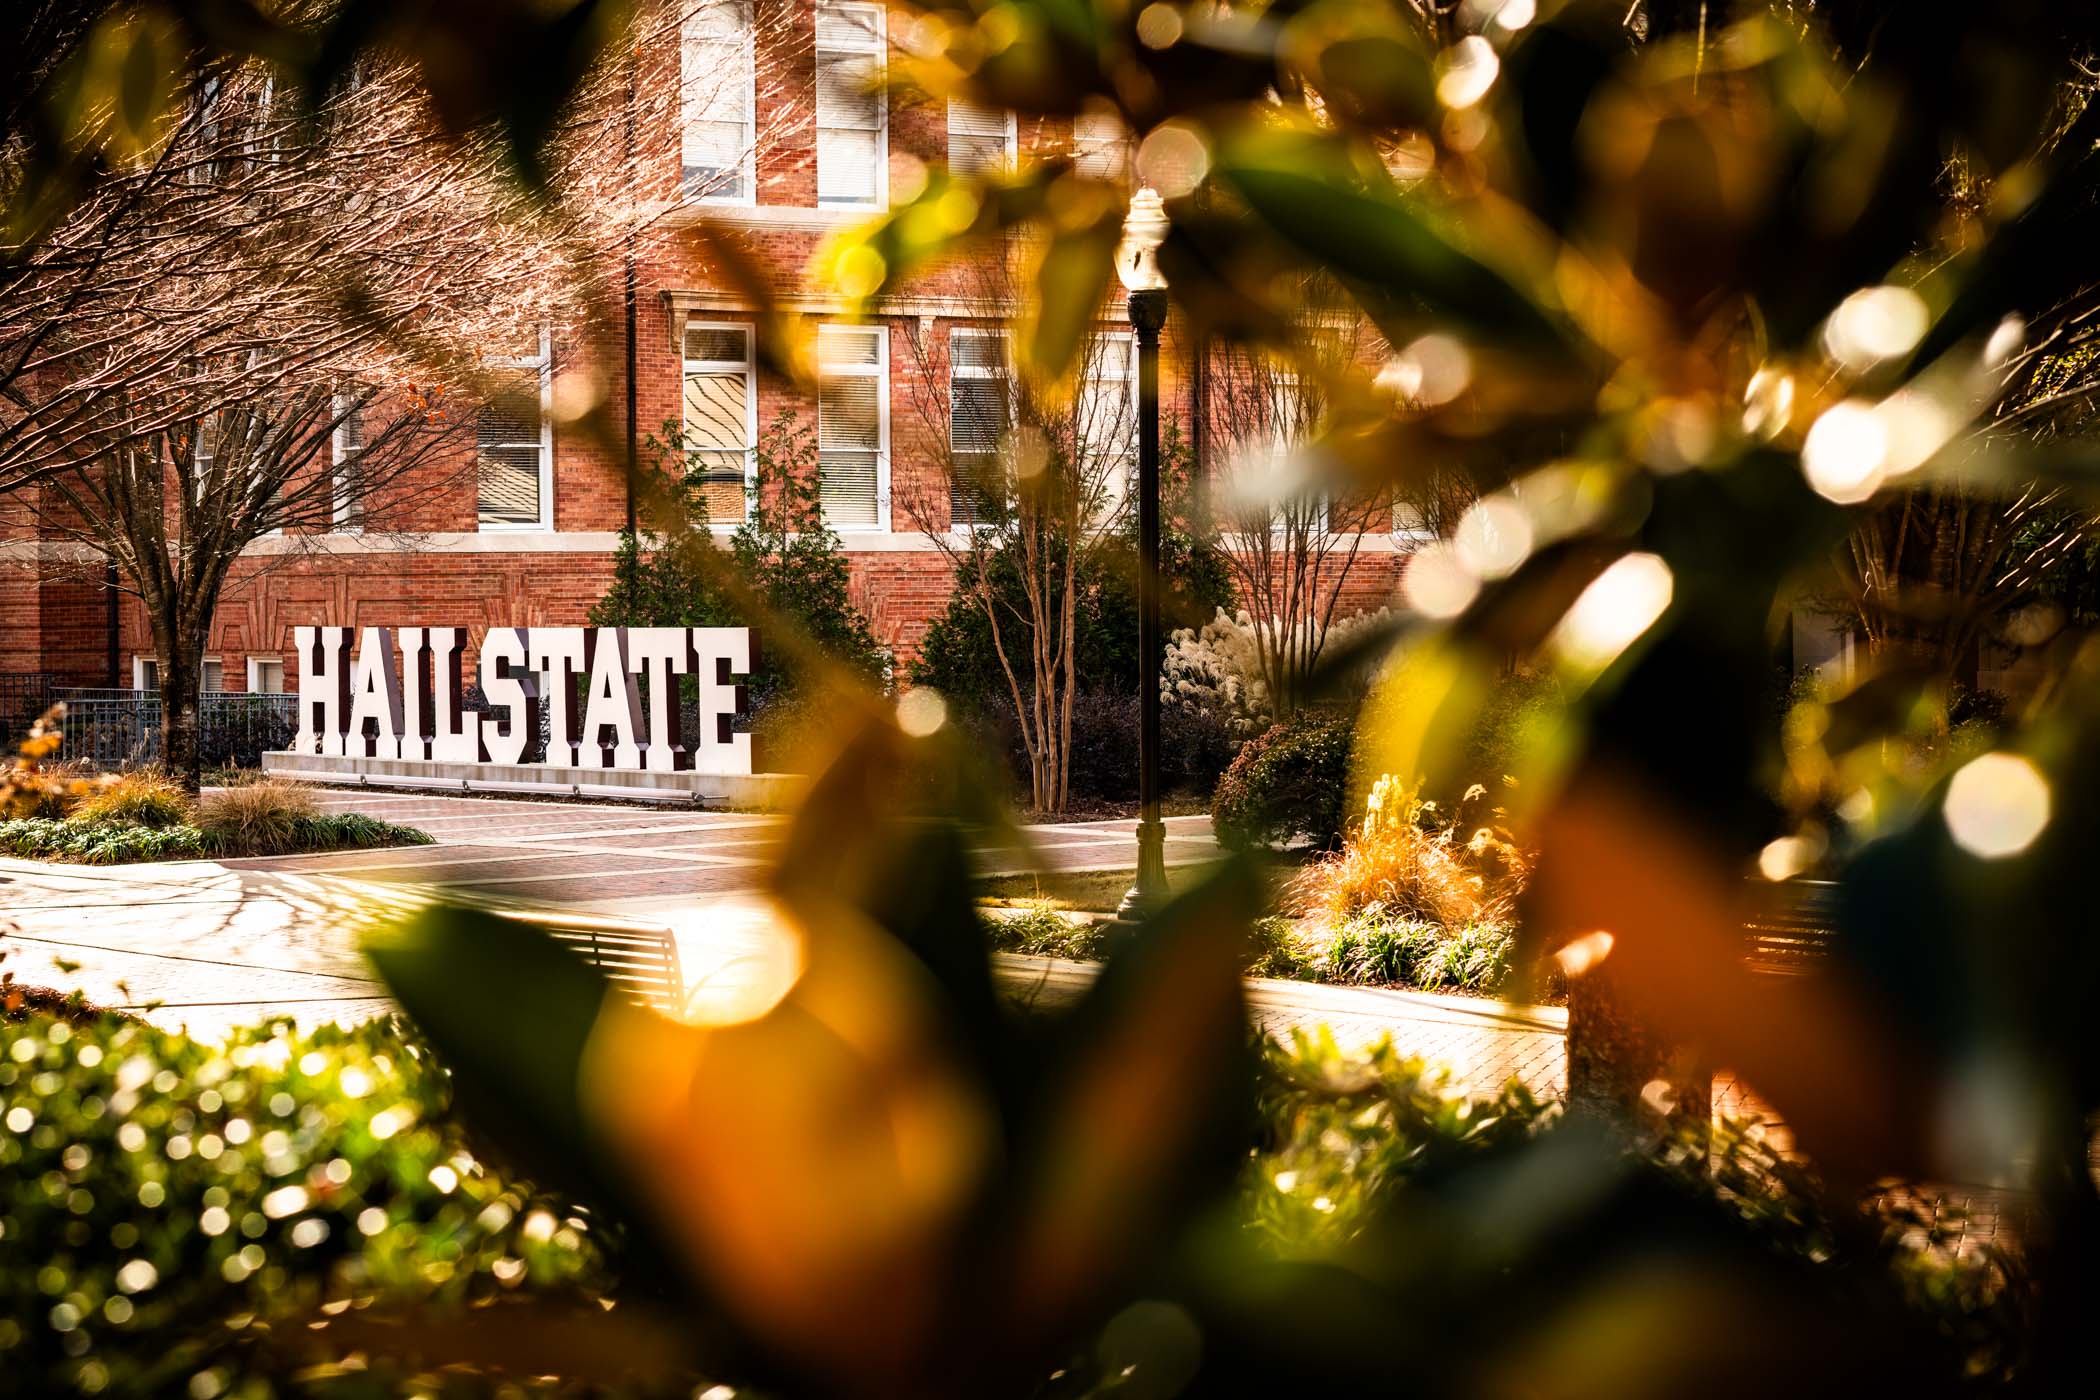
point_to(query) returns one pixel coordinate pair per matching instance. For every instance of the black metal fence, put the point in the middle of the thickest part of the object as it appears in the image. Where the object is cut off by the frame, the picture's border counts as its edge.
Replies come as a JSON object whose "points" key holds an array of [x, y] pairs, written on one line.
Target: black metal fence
{"points": [[121, 728], [23, 696]]}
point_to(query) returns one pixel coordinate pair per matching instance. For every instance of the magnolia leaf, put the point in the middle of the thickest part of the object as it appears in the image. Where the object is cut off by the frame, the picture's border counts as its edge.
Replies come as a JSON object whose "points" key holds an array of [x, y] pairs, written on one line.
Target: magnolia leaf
{"points": [[1314, 190]]}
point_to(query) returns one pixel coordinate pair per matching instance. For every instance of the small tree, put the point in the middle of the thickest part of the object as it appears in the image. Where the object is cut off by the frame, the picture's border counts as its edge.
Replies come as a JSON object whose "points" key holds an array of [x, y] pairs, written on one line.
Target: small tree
{"points": [[1291, 544], [785, 564]]}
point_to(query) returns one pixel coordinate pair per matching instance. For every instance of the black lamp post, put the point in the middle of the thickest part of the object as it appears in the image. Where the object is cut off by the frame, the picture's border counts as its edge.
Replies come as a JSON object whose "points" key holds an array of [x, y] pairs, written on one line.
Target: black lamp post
{"points": [[1137, 264]]}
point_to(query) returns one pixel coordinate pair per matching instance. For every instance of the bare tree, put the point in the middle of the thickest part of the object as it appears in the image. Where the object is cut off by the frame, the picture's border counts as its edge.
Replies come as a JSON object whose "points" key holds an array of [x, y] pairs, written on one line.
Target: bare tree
{"points": [[1030, 485], [193, 355], [1290, 543]]}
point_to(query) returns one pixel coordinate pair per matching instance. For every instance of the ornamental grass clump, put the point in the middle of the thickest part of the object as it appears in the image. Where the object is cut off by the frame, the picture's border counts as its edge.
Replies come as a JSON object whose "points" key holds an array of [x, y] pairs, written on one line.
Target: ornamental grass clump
{"points": [[147, 798], [1412, 862], [263, 818]]}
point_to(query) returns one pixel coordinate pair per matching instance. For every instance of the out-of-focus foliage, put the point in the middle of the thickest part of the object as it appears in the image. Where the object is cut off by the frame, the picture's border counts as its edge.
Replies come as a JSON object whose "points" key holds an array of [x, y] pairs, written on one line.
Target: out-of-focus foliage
{"points": [[864, 1169], [281, 1215]]}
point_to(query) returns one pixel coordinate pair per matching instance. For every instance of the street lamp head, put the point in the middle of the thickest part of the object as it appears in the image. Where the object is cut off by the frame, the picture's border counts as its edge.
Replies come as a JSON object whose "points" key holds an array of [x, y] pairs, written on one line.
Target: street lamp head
{"points": [[1144, 229]]}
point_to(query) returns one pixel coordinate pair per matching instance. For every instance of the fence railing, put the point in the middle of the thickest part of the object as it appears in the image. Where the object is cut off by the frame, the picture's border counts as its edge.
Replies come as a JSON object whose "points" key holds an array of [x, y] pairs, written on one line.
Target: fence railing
{"points": [[23, 696], [120, 728]]}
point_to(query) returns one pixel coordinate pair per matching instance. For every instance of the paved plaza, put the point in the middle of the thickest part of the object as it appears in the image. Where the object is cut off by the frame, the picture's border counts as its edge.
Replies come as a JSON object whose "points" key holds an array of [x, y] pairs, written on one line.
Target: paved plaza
{"points": [[207, 945]]}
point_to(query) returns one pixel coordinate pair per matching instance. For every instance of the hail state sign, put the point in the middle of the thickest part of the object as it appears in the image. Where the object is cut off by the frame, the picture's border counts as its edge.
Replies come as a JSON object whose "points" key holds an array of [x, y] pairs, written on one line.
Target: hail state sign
{"points": [[604, 697]]}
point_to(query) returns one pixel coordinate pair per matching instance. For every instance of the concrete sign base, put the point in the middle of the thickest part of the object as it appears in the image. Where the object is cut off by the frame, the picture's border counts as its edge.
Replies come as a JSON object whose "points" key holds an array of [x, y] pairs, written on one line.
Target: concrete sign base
{"points": [[764, 792]]}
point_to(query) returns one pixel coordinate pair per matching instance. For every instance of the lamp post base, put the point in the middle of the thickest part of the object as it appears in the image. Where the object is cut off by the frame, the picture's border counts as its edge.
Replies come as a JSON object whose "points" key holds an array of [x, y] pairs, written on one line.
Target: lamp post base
{"points": [[1149, 891]]}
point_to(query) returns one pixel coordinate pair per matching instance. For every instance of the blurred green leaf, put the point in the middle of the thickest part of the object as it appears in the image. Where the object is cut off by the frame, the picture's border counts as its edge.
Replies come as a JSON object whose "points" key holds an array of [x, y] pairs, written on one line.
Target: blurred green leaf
{"points": [[1343, 210]]}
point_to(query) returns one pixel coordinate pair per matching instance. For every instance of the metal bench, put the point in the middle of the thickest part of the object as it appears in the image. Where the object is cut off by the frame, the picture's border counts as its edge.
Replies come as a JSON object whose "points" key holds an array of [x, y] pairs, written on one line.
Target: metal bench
{"points": [[1788, 933], [639, 959]]}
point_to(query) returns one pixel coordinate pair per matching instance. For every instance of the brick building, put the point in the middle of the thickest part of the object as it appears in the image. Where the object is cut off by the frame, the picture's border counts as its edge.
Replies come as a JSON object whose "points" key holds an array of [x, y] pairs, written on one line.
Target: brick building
{"points": [[777, 144]]}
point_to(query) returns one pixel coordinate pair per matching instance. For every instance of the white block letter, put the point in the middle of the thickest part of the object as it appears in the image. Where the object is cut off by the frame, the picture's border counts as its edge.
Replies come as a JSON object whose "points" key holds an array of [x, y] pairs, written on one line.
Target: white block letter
{"points": [[456, 737], [509, 684], [610, 704], [660, 655], [375, 707], [560, 656], [324, 688], [722, 653]]}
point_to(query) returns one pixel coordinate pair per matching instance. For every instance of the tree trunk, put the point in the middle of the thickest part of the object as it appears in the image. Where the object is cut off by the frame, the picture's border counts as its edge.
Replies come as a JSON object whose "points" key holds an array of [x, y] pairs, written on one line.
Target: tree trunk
{"points": [[181, 648]]}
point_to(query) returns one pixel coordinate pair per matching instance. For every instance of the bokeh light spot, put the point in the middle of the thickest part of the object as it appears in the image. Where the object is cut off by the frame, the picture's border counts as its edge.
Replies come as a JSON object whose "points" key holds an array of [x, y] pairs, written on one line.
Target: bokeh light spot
{"points": [[1437, 582], [1997, 805], [1619, 605], [1846, 453]]}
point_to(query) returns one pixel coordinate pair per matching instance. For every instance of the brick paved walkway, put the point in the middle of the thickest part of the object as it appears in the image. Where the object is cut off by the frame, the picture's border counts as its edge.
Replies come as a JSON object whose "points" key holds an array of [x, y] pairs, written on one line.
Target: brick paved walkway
{"points": [[208, 945]]}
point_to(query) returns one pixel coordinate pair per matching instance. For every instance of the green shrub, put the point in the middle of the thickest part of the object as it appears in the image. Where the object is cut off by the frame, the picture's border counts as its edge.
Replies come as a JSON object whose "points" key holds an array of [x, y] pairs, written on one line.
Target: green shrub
{"points": [[1274, 951], [145, 798], [1342, 1131], [1287, 783], [109, 842], [1044, 933], [169, 1207], [1375, 948], [91, 842]]}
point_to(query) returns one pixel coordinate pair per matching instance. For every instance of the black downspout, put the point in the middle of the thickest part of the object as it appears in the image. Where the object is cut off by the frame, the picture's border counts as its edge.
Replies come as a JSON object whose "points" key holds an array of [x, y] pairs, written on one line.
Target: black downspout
{"points": [[110, 618], [633, 428]]}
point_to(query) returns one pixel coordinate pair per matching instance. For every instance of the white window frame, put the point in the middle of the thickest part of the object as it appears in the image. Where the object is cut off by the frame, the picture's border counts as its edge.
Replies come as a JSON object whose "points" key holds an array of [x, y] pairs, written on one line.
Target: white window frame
{"points": [[255, 665], [1011, 136], [879, 47], [880, 372], [544, 362], [748, 167], [749, 367], [140, 667], [342, 510], [204, 674], [955, 371]]}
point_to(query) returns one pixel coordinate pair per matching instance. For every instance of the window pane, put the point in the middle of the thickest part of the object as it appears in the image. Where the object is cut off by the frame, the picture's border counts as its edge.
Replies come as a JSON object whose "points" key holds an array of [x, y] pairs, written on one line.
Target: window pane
{"points": [[846, 486], [717, 410], [977, 137], [848, 413], [848, 345], [1100, 145], [847, 164], [979, 414], [719, 343], [715, 91]]}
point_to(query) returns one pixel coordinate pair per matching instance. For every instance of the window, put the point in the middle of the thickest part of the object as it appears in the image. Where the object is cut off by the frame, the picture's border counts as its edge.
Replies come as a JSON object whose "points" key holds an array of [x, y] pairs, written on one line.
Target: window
{"points": [[852, 110], [514, 448], [1107, 408], [145, 674], [853, 424], [346, 448], [1275, 422], [715, 87], [1101, 145], [980, 138], [980, 411], [721, 416], [266, 675]]}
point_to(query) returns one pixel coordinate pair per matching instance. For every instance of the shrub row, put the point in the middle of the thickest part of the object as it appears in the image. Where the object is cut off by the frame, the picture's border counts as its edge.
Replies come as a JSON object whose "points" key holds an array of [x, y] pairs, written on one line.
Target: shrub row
{"points": [[112, 841], [175, 1211], [1375, 950]]}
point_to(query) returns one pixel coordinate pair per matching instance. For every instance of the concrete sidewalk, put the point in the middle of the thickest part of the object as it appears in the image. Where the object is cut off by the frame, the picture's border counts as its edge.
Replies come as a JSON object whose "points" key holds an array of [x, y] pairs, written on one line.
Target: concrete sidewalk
{"points": [[205, 947]]}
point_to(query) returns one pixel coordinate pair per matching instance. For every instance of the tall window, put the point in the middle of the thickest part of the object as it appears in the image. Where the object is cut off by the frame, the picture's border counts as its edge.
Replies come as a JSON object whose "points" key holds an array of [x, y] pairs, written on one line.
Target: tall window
{"points": [[853, 424], [514, 447], [1107, 408], [715, 85], [346, 451], [980, 411], [721, 416], [980, 138], [852, 110]]}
